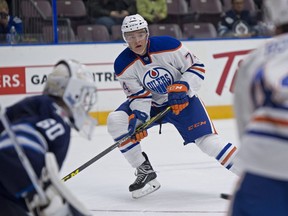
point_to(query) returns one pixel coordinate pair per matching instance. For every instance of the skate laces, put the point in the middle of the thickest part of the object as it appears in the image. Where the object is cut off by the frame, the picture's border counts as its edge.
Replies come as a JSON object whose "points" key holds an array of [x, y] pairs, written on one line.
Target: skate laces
{"points": [[142, 172]]}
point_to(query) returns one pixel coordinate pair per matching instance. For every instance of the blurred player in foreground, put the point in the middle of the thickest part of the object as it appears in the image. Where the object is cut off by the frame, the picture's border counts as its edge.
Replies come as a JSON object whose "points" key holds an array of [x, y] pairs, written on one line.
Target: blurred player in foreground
{"points": [[41, 125], [157, 72], [261, 106]]}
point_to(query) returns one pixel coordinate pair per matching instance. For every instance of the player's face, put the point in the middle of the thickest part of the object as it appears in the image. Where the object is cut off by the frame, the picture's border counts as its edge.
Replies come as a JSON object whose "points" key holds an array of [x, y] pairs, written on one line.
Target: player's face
{"points": [[137, 41], [238, 5], [3, 17]]}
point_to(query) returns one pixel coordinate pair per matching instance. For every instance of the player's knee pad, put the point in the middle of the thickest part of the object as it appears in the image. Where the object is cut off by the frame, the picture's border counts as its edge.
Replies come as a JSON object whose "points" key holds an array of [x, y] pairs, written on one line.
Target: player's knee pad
{"points": [[222, 151], [117, 124]]}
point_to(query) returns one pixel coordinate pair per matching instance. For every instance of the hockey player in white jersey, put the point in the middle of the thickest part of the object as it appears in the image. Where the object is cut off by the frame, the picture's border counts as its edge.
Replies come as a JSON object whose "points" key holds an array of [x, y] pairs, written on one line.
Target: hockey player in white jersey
{"points": [[156, 72], [261, 108]]}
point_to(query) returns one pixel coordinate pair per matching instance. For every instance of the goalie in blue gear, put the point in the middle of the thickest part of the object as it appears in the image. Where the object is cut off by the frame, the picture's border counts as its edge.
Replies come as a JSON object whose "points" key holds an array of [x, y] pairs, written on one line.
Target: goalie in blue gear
{"points": [[42, 126]]}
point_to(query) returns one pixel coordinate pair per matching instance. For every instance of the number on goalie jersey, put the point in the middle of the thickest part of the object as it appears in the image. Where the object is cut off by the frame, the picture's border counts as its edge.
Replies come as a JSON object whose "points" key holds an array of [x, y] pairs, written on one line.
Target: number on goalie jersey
{"points": [[43, 124], [157, 72]]}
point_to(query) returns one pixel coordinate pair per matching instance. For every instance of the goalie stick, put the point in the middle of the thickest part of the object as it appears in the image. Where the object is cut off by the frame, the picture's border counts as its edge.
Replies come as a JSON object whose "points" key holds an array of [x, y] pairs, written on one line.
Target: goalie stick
{"points": [[115, 145], [22, 157]]}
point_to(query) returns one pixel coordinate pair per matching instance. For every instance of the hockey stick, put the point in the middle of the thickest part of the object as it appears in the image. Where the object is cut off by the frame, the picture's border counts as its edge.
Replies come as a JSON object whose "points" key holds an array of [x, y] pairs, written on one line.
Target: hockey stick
{"points": [[226, 196], [115, 145], [22, 157]]}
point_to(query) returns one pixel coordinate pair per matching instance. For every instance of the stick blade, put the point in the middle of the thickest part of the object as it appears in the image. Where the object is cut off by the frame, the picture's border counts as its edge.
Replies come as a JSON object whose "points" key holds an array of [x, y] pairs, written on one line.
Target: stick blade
{"points": [[226, 196]]}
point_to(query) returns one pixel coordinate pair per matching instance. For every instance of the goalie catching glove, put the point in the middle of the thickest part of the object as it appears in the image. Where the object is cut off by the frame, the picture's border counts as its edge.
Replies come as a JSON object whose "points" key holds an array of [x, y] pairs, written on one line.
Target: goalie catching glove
{"points": [[177, 96], [136, 119]]}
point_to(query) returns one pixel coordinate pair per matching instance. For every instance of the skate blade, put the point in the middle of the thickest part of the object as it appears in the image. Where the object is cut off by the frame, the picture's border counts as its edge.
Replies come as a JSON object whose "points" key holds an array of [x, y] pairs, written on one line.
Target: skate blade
{"points": [[153, 186]]}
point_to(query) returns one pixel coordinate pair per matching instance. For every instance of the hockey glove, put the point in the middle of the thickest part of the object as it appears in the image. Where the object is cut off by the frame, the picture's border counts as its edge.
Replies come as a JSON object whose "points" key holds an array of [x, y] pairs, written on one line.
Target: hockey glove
{"points": [[136, 119], [177, 96]]}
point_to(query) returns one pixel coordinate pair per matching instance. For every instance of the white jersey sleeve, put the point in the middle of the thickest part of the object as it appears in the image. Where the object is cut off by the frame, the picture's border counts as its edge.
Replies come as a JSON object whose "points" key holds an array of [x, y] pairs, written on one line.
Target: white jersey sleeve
{"points": [[191, 68], [261, 105]]}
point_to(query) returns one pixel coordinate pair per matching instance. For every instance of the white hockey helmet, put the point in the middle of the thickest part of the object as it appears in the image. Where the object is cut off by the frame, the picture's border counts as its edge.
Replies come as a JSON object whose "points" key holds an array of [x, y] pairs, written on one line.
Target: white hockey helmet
{"points": [[72, 82], [133, 23], [275, 12]]}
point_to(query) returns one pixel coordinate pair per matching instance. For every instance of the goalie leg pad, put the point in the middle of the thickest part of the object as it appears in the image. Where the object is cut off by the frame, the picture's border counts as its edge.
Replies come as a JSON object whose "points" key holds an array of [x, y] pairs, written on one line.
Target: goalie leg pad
{"points": [[61, 202], [76, 207]]}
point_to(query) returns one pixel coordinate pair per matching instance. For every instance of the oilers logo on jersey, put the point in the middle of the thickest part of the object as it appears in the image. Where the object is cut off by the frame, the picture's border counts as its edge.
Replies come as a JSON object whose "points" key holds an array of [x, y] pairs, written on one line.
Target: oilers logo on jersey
{"points": [[157, 79]]}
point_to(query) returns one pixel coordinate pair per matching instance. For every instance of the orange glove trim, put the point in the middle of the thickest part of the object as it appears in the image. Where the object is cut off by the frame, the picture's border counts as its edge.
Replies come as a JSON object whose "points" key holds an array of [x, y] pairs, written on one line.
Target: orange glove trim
{"points": [[177, 108], [131, 116], [177, 88], [139, 136]]}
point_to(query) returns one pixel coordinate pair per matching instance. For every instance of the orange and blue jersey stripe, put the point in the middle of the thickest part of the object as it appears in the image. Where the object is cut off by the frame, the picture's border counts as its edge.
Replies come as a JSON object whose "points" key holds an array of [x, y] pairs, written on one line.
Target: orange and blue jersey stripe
{"points": [[143, 94], [197, 69], [265, 126]]}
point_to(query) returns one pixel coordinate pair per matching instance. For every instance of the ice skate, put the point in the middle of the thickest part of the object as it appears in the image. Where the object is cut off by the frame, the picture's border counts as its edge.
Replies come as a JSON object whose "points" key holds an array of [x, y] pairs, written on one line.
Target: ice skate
{"points": [[145, 182]]}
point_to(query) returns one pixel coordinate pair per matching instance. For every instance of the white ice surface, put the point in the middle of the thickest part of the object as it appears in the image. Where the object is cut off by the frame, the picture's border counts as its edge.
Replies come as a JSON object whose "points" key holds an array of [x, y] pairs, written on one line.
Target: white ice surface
{"points": [[191, 181]]}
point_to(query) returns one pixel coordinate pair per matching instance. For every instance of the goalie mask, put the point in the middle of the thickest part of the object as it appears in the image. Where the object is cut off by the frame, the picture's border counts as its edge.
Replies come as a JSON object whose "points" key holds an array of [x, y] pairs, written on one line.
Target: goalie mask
{"points": [[72, 82]]}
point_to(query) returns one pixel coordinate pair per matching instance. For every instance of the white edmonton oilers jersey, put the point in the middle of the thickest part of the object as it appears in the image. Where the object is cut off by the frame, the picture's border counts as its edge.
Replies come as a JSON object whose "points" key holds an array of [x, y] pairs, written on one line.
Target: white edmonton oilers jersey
{"points": [[145, 78], [262, 115]]}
